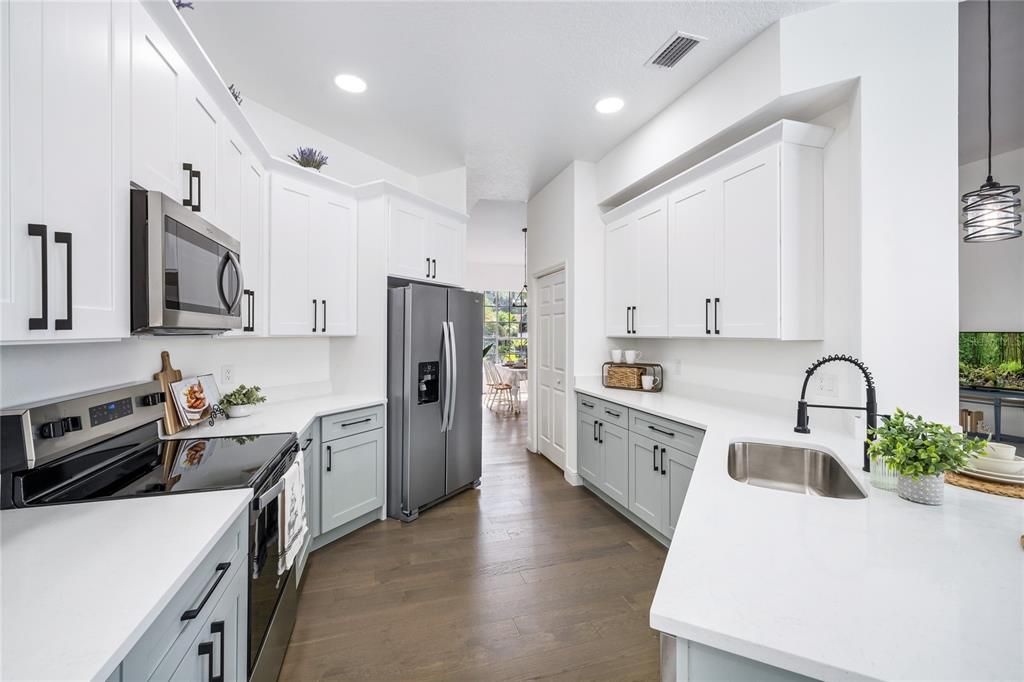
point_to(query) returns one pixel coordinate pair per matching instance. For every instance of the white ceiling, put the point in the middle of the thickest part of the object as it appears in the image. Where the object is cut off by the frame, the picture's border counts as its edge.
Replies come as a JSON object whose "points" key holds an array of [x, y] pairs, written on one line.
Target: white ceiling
{"points": [[504, 88], [1007, 78]]}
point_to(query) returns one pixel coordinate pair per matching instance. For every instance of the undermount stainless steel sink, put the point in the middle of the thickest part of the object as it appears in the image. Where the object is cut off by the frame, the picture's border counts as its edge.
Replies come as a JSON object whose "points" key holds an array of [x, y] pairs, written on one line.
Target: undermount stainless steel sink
{"points": [[796, 470]]}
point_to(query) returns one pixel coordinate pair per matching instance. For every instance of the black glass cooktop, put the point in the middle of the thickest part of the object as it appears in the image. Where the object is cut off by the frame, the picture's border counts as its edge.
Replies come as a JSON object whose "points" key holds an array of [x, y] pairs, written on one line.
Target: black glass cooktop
{"points": [[138, 463]]}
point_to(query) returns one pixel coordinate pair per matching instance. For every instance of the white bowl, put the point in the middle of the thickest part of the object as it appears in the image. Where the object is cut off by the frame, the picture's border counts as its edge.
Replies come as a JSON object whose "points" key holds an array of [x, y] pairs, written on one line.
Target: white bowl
{"points": [[1000, 466], [238, 411], [1001, 451]]}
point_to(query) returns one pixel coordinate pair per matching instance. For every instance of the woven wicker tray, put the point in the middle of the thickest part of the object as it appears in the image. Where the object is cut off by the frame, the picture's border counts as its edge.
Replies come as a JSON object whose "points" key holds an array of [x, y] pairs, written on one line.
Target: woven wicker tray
{"points": [[628, 376], [990, 487]]}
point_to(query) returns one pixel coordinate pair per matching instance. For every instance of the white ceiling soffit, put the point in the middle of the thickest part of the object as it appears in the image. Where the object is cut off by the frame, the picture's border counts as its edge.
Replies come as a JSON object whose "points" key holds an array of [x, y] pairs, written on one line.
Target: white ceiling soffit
{"points": [[1007, 78], [505, 88]]}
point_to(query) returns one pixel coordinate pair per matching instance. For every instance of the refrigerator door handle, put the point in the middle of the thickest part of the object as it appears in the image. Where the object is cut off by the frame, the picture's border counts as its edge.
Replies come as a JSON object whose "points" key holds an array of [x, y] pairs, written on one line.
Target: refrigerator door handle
{"points": [[454, 374], [447, 348]]}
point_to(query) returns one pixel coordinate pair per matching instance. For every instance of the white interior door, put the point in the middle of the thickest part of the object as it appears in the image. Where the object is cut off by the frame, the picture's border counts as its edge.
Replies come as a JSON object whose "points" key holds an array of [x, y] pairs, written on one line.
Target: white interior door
{"points": [[551, 360]]}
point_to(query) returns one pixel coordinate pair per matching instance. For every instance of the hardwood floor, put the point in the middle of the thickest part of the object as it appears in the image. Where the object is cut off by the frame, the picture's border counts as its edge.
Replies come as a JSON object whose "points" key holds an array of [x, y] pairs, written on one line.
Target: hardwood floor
{"points": [[525, 578]]}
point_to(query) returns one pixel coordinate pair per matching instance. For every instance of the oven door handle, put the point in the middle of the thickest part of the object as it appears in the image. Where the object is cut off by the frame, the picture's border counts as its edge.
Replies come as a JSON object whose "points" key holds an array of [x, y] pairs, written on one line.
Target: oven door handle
{"points": [[265, 499]]}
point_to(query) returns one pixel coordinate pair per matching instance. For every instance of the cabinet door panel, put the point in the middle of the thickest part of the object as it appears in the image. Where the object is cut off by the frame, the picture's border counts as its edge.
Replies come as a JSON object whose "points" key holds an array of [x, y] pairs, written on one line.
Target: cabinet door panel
{"points": [[157, 76], [695, 213], [749, 277], [229, 183], [620, 257], [291, 307], [650, 270], [407, 233], [199, 120], [645, 484], [678, 471], [615, 456], [590, 463], [333, 265], [253, 238], [351, 478], [445, 245]]}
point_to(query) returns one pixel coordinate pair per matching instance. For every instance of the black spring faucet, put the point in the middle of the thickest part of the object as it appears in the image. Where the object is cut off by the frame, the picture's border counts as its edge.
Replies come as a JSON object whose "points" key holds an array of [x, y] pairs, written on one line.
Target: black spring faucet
{"points": [[870, 406]]}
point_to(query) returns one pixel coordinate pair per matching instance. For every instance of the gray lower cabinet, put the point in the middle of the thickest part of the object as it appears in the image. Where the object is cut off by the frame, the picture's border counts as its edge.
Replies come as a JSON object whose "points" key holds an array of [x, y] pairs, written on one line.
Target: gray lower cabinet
{"points": [[638, 461], [351, 478]]}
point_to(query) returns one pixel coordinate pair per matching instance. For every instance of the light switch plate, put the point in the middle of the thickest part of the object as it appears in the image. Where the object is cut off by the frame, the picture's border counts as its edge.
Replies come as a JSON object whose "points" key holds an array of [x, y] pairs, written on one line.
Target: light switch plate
{"points": [[825, 384], [227, 374]]}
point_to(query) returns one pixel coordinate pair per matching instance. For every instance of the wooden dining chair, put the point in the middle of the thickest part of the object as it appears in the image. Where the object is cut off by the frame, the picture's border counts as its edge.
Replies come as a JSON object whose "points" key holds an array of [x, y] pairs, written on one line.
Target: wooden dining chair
{"points": [[498, 391]]}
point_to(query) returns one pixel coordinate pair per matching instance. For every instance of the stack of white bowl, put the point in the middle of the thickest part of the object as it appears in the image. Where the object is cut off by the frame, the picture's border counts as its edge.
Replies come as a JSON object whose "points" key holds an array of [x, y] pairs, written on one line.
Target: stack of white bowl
{"points": [[999, 463]]}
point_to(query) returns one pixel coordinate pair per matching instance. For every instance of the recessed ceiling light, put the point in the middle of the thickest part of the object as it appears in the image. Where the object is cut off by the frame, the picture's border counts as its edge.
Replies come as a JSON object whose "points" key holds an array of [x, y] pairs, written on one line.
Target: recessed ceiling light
{"points": [[350, 83], [609, 105]]}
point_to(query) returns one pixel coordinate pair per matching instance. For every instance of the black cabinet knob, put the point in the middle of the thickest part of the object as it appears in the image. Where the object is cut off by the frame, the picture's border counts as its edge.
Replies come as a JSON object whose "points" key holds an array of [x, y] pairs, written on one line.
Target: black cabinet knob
{"points": [[71, 424]]}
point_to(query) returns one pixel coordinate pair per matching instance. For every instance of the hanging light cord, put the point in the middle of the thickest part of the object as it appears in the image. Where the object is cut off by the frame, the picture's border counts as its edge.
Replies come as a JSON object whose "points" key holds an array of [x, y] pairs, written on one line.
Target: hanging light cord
{"points": [[989, 90]]}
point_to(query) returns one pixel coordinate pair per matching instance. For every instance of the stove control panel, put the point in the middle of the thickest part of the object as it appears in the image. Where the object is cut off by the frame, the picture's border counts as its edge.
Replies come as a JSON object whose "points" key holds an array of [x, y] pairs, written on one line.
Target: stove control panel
{"points": [[108, 412]]}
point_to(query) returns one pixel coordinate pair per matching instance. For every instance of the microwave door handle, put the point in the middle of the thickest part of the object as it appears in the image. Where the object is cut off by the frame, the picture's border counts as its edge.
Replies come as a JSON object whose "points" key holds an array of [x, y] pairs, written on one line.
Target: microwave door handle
{"points": [[229, 258]]}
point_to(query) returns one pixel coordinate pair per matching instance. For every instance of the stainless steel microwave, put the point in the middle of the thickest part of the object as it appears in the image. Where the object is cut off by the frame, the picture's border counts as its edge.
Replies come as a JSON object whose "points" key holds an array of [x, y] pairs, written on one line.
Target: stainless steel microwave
{"points": [[186, 277]]}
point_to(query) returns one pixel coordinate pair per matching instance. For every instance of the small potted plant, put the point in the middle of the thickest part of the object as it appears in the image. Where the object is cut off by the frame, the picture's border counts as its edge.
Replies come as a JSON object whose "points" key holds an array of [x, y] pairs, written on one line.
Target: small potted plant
{"points": [[242, 401], [309, 157], [921, 452]]}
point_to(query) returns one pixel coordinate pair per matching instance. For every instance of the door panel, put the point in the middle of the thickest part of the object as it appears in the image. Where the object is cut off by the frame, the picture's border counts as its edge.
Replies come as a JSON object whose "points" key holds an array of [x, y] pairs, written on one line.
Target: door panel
{"points": [[425, 464], [445, 245], [620, 257], [650, 271], [590, 464], [466, 313], [351, 478], [749, 275], [333, 264], [199, 147], [291, 309], [407, 233], [695, 213], [615, 456], [645, 484], [678, 471], [229, 184], [551, 366]]}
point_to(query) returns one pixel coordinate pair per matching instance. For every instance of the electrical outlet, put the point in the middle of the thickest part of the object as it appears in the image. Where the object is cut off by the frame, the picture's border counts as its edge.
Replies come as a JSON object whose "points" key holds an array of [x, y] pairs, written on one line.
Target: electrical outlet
{"points": [[826, 384], [227, 374]]}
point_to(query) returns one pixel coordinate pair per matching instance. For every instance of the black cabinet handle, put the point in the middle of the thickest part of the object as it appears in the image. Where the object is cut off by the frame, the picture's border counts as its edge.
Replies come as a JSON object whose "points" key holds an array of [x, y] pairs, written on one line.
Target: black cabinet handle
{"points": [[305, 446], [612, 413], [707, 313], [217, 628], [314, 314], [717, 301], [600, 434], [634, 320], [199, 193], [43, 321], [187, 167], [584, 403], [433, 262], [357, 421], [206, 649], [324, 323], [663, 461], [221, 570], [595, 431], [654, 457], [65, 239], [627, 319], [428, 268], [249, 297], [330, 458], [661, 431]]}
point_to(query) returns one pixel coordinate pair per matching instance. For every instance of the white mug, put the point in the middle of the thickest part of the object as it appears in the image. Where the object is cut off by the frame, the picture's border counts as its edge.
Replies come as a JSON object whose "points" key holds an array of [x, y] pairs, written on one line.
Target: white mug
{"points": [[632, 356], [649, 382], [616, 355]]}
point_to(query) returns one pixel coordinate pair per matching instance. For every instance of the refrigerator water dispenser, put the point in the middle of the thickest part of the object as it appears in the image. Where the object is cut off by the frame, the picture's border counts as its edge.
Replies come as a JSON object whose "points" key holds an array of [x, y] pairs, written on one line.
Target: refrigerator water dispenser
{"points": [[426, 382]]}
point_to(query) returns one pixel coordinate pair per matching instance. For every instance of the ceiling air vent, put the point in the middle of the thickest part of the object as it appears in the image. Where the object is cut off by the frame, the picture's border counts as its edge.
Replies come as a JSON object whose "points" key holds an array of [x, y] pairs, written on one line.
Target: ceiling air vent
{"points": [[674, 49]]}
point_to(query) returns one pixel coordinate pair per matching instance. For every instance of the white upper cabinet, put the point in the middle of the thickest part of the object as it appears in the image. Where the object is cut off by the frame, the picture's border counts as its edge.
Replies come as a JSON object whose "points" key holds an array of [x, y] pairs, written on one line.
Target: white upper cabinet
{"points": [[636, 273], [313, 271], [230, 169], [64, 265], [743, 238], [425, 244], [199, 154]]}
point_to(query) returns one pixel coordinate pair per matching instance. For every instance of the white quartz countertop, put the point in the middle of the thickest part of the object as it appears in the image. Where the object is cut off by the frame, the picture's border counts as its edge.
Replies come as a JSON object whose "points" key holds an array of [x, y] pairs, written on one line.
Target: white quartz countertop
{"points": [[81, 583], [284, 416], [879, 588]]}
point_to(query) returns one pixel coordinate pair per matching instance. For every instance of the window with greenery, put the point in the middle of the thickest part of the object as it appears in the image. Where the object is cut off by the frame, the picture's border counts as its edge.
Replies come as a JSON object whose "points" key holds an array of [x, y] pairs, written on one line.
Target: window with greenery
{"points": [[505, 323], [992, 359]]}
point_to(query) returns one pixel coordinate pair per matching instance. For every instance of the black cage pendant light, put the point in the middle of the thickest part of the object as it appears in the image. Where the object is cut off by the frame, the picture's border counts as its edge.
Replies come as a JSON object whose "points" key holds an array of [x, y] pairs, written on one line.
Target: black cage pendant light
{"points": [[521, 298], [992, 212]]}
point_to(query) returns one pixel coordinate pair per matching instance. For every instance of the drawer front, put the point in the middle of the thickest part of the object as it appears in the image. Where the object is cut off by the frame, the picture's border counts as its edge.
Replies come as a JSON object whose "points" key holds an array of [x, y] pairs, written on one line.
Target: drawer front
{"points": [[610, 413], [351, 423], [169, 635], [586, 404], [666, 431]]}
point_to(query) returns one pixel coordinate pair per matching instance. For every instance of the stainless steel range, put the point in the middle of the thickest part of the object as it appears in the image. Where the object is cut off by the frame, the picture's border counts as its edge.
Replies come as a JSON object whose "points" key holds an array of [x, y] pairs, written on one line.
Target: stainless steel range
{"points": [[106, 445]]}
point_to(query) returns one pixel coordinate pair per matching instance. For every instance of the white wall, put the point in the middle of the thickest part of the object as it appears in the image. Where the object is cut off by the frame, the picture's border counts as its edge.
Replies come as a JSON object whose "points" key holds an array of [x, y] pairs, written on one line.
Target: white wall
{"points": [[282, 135], [447, 188], [493, 276], [494, 245], [43, 371], [992, 274]]}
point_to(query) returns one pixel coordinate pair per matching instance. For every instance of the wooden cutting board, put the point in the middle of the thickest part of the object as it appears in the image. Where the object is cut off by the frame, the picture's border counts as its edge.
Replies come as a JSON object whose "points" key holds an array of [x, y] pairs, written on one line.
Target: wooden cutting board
{"points": [[166, 376]]}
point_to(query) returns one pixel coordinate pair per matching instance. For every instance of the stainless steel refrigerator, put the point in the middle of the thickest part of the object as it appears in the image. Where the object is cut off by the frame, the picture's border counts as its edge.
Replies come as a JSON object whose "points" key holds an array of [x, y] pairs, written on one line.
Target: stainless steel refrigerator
{"points": [[435, 339]]}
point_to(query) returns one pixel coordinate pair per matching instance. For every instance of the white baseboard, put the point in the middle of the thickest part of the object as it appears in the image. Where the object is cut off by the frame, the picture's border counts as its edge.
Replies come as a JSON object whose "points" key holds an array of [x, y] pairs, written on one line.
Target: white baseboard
{"points": [[573, 478]]}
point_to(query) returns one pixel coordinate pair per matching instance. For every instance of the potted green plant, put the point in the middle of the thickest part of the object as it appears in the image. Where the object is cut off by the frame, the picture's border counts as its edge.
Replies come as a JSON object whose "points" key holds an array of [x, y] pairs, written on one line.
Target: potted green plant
{"points": [[921, 452], [242, 401]]}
